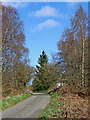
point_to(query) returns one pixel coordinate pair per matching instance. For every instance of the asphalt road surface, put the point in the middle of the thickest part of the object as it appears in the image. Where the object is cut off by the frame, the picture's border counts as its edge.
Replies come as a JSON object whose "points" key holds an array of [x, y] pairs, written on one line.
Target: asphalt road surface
{"points": [[29, 108]]}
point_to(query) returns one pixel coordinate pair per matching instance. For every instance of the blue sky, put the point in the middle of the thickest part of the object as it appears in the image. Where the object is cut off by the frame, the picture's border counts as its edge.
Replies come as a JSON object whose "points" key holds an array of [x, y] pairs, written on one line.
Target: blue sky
{"points": [[44, 23]]}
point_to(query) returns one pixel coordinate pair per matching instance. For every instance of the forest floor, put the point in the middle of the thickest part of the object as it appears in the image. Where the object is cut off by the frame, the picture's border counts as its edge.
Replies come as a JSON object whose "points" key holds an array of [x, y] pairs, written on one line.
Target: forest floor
{"points": [[74, 106], [75, 102], [65, 104]]}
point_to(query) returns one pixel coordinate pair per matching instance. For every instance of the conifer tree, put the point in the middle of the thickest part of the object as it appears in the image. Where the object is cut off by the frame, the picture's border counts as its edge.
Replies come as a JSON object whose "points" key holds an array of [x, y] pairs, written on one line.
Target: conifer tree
{"points": [[41, 80]]}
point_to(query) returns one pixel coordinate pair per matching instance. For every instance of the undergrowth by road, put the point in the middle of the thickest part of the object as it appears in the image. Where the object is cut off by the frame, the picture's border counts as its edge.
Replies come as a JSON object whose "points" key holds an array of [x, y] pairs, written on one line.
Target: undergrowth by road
{"points": [[67, 104], [8, 102], [53, 109]]}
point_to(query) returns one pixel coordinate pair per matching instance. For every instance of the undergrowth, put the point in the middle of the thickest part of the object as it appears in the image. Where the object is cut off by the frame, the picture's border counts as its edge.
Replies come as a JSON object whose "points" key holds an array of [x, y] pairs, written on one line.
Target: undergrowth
{"points": [[52, 110]]}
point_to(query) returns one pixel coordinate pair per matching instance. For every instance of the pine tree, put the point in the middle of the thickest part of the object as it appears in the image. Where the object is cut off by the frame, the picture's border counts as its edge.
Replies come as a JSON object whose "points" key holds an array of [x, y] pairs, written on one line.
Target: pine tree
{"points": [[43, 60], [41, 80]]}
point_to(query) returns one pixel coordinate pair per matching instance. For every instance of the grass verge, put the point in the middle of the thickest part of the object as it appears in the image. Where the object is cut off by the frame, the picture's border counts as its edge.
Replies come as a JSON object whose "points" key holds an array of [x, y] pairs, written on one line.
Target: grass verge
{"points": [[8, 102], [53, 109]]}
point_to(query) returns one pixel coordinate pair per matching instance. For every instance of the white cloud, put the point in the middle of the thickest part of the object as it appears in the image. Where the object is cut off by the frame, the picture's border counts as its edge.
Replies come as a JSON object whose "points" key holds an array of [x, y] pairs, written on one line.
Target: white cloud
{"points": [[15, 4], [47, 24], [46, 11]]}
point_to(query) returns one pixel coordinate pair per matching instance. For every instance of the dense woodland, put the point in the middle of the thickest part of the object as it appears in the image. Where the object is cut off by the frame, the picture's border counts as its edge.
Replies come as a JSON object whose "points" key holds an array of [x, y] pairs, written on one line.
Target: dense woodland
{"points": [[69, 65]]}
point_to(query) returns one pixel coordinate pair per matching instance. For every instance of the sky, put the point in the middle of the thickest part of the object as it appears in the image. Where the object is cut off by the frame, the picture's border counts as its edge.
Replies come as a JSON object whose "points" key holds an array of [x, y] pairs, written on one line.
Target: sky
{"points": [[44, 23]]}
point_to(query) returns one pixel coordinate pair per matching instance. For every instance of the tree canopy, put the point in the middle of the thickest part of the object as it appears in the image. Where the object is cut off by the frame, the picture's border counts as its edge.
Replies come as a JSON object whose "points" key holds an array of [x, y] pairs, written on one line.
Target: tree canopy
{"points": [[15, 61], [73, 50]]}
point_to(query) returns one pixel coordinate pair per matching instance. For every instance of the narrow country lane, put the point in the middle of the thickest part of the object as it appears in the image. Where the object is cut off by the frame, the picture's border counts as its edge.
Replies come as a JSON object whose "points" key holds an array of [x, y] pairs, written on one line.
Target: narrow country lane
{"points": [[29, 108]]}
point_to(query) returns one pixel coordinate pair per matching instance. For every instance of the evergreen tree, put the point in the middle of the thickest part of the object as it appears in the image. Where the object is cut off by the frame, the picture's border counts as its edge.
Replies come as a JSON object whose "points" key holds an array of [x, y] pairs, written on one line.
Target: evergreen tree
{"points": [[43, 59], [41, 80]]}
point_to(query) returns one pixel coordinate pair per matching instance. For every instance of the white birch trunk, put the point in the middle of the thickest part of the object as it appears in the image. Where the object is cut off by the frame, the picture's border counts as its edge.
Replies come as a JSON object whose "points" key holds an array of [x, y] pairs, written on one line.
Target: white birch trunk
{"points": [[83, 47]]}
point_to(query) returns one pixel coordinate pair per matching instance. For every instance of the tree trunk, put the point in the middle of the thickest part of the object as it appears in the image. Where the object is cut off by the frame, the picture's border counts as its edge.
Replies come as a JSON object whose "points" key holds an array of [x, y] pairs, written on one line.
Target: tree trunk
{"points": [[83, 47]]}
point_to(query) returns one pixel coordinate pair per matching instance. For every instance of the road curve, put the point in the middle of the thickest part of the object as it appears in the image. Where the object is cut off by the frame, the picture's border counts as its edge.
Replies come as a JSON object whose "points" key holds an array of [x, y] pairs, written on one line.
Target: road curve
{"points": [[29, 108]]}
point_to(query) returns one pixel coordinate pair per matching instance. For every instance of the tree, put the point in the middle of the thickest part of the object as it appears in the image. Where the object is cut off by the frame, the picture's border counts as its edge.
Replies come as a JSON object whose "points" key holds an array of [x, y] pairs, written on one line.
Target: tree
{"points": [[41, 80], [73, 49], [43, 59], [15, 66], [47, 74]]}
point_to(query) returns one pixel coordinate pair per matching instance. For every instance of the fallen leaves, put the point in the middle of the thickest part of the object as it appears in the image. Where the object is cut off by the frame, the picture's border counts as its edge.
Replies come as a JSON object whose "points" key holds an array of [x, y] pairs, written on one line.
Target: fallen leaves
{"points": [[74, 105]]}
